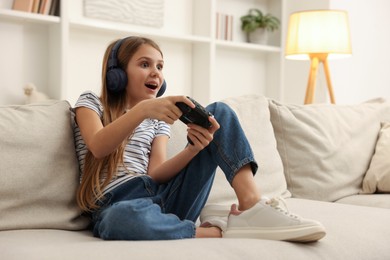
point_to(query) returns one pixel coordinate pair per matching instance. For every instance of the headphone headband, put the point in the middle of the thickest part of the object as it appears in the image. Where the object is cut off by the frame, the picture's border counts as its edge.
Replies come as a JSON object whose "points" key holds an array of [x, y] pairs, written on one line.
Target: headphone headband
{"points": [[112, 59]]}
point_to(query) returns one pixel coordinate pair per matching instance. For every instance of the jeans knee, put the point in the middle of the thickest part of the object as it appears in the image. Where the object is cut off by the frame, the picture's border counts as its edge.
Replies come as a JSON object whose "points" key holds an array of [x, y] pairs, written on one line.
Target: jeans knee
{"points": [[217, 108]]}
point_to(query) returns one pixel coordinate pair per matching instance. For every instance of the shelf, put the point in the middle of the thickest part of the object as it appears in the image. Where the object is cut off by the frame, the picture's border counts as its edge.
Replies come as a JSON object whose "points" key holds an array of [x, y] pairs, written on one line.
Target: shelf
{"points": [[120, 28], [18, 16], [247, 46]]}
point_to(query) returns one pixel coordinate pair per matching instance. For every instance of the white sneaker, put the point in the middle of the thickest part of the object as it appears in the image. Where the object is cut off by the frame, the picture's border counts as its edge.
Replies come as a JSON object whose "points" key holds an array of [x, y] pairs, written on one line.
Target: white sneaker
{"points": [[270, 220]]}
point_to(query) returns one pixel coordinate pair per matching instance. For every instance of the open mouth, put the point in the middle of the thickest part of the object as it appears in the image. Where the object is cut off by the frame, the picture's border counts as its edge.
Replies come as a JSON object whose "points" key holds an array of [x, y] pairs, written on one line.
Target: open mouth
{"points": [[151, 86]]}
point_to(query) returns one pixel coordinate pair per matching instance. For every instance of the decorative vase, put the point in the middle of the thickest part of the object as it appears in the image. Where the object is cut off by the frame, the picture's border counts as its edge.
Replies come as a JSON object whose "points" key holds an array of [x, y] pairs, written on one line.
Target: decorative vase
{"points": [[259, 36]]}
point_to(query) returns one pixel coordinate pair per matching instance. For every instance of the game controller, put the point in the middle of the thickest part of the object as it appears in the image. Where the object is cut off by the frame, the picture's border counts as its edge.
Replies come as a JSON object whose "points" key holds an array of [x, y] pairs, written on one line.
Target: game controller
{"points": [[198, 115]]}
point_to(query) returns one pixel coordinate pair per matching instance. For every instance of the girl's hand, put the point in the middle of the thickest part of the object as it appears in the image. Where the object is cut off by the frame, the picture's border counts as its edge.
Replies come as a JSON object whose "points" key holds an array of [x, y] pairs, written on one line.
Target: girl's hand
{"points": [[165, 108], [201, 137]]}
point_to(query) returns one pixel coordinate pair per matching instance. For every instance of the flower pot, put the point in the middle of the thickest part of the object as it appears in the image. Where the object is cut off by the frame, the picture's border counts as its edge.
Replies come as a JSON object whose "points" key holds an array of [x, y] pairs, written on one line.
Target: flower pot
{"points": [[259, 36]]}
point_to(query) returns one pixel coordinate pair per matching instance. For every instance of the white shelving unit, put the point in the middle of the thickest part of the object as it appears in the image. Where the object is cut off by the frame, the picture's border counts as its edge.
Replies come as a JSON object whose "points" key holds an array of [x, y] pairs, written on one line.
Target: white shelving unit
{"points": [[63, 55]]}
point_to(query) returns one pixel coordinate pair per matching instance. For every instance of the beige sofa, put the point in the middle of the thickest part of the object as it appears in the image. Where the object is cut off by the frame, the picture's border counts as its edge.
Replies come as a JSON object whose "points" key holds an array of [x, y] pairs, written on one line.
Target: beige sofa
{"points": [[328, 161]]}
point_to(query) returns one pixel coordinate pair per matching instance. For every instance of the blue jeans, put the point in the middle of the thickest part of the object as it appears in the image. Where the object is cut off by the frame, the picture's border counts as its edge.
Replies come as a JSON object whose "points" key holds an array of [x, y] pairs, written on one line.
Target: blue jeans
{"points": [[142, 209]]}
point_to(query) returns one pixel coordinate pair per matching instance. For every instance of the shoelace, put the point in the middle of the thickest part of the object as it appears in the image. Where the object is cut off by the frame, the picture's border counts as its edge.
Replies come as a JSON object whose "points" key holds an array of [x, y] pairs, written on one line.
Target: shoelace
{"points": [[276, 204]]}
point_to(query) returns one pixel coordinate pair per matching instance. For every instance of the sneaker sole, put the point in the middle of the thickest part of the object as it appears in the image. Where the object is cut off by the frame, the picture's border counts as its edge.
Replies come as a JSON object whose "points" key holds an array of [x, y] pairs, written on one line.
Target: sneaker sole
{"points": [[303, 234]]}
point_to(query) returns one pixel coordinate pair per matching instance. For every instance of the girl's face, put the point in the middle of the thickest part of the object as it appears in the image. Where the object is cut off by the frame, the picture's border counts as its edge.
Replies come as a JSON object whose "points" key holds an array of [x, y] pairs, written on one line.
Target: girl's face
{"points": [[144, 72]]}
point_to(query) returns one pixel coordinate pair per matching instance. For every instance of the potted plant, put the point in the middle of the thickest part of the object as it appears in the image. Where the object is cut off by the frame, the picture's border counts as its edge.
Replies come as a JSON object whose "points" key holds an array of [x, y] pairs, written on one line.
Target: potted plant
{"points": [[257, 25]]}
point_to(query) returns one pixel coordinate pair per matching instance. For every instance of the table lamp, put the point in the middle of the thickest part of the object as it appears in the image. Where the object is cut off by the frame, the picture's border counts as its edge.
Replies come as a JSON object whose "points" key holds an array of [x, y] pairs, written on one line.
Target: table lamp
{"points": [[318, 35]]}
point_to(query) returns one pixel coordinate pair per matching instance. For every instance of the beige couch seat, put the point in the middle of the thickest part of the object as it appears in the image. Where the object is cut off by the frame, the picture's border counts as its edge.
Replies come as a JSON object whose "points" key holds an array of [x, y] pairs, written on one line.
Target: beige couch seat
{"points": [[353, 232]]}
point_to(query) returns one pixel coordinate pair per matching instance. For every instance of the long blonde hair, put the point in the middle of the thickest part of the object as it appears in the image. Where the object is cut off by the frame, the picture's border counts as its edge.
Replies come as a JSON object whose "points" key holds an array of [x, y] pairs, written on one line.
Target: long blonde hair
{"points": [[114, 104]]}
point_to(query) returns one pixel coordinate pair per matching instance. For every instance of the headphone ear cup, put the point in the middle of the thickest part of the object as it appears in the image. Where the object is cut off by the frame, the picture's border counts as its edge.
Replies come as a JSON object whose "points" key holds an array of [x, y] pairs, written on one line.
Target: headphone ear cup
{"points": [[116, 80], [162, 89]]}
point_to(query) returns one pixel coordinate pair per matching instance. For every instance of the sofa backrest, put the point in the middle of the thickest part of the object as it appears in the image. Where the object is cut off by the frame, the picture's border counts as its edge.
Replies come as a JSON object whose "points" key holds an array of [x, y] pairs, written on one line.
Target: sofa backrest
{"points": [[324, 150], [316, 152]]}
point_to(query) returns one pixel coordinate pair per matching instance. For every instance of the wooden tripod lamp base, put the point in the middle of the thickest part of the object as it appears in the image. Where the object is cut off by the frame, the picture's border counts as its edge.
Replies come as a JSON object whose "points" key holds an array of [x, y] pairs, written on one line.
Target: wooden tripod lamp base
{"points": [[315, 60]]}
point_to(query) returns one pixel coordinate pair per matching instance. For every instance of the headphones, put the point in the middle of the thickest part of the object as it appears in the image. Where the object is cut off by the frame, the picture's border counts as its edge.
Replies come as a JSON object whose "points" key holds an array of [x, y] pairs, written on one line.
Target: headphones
{"points": [[116, 78]]}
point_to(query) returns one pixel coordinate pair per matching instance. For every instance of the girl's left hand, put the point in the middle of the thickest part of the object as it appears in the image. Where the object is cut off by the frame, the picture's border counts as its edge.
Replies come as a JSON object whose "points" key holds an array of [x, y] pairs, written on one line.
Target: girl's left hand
{"points": [[201, 137]]}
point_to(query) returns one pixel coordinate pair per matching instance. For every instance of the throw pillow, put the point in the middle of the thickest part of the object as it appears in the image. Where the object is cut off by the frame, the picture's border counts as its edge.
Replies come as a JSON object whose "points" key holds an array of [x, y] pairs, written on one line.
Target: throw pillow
{"points": [[38, 168], [377, 178], [326, 149]]}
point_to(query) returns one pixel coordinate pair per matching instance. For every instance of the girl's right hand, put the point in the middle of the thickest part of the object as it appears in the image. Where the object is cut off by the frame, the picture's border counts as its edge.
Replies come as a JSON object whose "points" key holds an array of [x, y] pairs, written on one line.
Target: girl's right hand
{"points": [[165, 108]]}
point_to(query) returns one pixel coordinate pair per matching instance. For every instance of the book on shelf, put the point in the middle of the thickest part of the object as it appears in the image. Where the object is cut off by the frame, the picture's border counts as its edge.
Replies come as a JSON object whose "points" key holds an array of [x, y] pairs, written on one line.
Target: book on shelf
{"points": [[36, 6], [224, 27], [23, 5], [46, 7], [55, 8]]}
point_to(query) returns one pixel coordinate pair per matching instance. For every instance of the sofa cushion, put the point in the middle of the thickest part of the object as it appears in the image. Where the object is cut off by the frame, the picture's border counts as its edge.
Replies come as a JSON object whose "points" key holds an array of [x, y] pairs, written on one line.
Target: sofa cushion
{"points": [[38, 168], [326, 149], [254, 117], [377, 178]]}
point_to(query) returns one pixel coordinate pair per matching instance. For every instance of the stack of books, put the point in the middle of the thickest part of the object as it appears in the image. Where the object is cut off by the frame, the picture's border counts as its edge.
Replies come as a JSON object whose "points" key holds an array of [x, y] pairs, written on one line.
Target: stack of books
{"points": [[224, 27], [47, 7]]}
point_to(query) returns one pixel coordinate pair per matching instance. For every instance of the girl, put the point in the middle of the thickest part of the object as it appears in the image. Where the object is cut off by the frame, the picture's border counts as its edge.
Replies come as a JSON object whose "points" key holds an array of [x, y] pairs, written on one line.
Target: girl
{"points": [[130, 188]]}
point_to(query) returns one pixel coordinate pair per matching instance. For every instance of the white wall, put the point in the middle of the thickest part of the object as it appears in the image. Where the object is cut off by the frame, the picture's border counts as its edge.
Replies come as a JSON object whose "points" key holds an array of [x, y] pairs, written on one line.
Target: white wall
{"points": [[366, 74], [358, 78]]}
